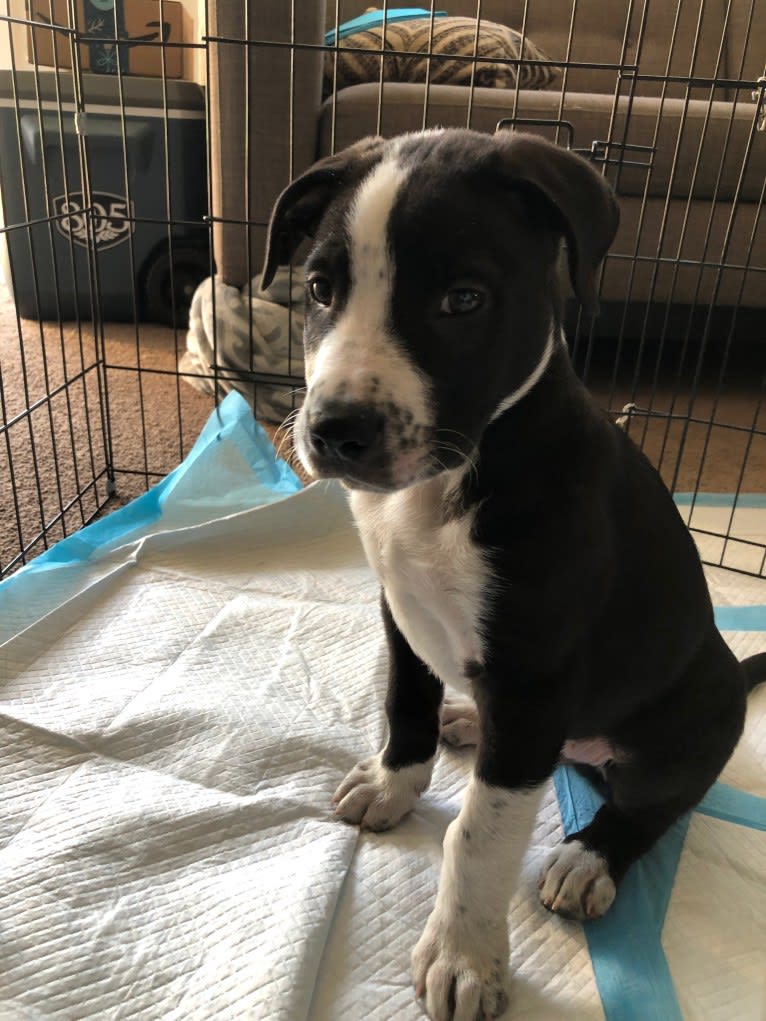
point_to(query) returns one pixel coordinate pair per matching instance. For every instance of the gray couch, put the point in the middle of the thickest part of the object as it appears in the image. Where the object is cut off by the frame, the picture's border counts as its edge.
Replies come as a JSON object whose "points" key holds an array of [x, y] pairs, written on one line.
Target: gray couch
{"points": [[697, 207]]}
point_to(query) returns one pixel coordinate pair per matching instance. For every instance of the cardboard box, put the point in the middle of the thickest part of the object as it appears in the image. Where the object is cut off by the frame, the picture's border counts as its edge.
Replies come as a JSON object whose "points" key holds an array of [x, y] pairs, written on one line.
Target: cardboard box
{"points": [[136, 23]]}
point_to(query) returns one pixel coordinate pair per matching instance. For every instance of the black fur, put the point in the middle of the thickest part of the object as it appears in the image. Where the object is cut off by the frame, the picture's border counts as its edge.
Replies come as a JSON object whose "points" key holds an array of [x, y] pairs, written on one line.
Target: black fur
{"points": [[599, 621], [602, 618], [412, 704]]}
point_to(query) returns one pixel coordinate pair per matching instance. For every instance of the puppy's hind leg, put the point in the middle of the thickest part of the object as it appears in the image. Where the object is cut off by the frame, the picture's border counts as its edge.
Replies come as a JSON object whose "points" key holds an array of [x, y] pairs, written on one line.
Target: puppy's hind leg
{"points": [[579, 879], [673, 753]]}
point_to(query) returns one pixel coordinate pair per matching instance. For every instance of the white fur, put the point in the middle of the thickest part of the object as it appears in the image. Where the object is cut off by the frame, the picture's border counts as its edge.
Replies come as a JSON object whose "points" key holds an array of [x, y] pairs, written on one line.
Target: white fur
{"points": [[360, 332], [466, 937], [575, 882], [434, 575], [360, 349], [376, 797], [532, 380]]}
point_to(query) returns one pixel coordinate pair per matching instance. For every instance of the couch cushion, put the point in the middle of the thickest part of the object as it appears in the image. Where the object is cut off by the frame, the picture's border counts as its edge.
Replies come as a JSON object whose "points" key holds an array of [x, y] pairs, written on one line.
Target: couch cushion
{"points": [[664, 251], [411, 41], [724, 130], [673, 37], [687, 253]]}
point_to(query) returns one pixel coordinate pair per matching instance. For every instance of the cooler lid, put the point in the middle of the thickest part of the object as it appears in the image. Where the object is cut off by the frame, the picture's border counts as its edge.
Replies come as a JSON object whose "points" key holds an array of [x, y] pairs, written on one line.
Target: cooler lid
{"points": [[102, 93]]}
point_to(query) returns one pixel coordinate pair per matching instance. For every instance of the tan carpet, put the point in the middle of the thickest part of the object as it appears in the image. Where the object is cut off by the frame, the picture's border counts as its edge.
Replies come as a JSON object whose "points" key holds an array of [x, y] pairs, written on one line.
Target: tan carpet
{"points": [[56, 451]]}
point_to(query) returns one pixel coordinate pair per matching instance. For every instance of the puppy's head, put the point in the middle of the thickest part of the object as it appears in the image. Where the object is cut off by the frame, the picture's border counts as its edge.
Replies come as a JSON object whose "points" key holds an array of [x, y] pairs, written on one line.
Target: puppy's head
{"points": [[431, 292]]}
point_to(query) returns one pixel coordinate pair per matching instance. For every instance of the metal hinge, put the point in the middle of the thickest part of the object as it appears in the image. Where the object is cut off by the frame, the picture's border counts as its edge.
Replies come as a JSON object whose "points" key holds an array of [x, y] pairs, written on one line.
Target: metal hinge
{"points": [[759, 98], [601, 151]]}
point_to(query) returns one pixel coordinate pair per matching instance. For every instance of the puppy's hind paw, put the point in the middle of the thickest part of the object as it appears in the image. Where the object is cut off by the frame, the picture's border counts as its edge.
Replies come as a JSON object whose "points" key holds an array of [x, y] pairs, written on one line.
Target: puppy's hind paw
{"points": [[459, 722], [575, 882]]}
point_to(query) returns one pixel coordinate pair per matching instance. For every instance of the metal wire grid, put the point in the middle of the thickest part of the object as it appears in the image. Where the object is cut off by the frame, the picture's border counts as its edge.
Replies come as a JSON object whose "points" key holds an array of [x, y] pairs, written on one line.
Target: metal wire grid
{"points": [[58, 431], [86, 499], [75, 438]]}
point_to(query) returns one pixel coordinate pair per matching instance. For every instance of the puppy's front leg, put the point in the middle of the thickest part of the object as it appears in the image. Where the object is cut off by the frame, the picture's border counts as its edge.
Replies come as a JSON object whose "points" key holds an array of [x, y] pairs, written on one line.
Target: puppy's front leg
{"points": [[379, 791], [460, 964]]}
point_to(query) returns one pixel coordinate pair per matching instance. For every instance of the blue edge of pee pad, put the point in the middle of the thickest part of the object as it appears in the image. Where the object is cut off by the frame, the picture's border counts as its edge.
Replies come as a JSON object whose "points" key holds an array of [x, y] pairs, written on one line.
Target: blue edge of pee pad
{"points": [[233, 466]]}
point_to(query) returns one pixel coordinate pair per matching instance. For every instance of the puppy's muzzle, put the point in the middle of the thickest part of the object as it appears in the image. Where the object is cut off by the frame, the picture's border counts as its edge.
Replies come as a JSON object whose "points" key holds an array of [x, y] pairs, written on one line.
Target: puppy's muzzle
{"points": [[345, 438]]}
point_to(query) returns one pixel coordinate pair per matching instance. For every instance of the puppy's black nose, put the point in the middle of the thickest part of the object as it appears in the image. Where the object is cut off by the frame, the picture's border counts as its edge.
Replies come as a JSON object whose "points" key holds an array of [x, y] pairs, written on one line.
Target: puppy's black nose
{"points": [[345, 432]]}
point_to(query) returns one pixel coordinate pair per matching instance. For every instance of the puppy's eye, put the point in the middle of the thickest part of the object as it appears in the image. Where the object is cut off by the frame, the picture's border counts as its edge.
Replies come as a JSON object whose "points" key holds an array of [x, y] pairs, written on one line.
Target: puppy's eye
{"points": [[320, 290], [462, 300]]}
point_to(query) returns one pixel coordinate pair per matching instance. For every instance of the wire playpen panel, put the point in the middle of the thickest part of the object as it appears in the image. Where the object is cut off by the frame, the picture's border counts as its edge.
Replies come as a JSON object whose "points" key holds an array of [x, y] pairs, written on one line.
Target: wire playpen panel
{"points": [[123, 192]]}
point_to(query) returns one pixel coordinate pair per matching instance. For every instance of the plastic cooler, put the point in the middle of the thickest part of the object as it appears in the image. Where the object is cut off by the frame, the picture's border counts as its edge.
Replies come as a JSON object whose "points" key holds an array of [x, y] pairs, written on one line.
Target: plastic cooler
{"points": [[139, 247]]}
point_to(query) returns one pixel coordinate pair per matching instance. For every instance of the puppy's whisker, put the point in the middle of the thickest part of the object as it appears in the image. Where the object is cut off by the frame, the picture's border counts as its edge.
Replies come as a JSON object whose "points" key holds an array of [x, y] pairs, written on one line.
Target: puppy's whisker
{"points": [[455, 432], [287, 422], [285, 433], [467, 459], [294, 392], [470, 458], [287, 438], [468, 444], [468, 448], [438, 463], [282, 444]]}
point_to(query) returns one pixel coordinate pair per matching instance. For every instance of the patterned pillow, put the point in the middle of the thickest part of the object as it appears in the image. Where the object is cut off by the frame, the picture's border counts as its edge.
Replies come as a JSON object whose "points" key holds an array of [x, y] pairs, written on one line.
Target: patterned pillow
{"points": [[414, 40]]}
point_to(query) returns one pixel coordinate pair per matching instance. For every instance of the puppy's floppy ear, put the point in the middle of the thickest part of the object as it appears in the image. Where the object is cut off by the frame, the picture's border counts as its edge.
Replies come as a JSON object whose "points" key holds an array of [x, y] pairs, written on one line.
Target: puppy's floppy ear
{"points": [[584, 203], [301, 205]]}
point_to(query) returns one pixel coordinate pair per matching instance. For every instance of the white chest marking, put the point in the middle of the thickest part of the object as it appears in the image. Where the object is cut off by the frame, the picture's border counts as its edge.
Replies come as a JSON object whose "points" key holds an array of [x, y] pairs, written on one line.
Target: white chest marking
{"points": [[433, 573]]}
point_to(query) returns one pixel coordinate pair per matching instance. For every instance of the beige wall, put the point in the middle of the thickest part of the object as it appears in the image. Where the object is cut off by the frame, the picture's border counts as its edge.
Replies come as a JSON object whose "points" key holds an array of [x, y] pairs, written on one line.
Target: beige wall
{"points": [[195, 16]]}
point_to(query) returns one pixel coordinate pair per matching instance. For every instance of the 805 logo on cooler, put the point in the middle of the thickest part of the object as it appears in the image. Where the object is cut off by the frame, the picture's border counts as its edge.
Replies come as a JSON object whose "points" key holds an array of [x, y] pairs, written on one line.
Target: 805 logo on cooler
{"points": [[112, 218]]}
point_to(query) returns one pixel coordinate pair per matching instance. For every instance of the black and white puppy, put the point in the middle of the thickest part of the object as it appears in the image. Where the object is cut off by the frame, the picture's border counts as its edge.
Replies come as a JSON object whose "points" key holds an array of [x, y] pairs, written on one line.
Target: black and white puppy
{"points": [[529, 554]]}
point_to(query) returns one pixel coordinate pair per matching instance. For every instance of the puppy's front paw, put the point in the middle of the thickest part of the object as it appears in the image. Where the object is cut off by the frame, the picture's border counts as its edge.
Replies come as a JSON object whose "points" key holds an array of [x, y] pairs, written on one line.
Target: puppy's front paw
{"points": [[375, 797], [575, 882], [461, 971]]}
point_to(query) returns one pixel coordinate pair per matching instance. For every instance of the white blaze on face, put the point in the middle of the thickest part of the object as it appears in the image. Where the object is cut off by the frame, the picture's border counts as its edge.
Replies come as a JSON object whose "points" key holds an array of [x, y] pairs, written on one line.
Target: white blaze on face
{"points": [[359, 358]]}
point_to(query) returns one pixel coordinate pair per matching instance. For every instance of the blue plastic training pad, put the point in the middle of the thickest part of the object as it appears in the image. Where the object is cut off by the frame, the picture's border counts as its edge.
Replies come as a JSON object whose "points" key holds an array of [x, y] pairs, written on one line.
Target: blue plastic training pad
{"points": [[210, 476], [375, 18], [231, 468]]}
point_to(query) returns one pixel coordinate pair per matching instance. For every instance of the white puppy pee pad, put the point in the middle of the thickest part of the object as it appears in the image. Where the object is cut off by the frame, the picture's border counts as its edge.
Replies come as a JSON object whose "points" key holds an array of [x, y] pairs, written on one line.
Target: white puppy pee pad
{"points": [[181, 693]]}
